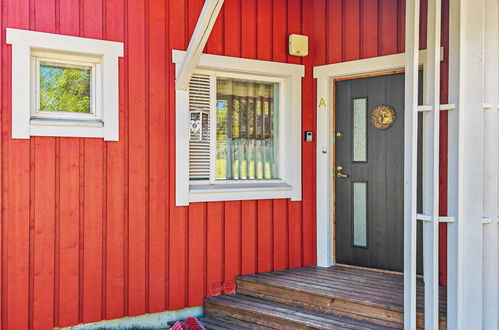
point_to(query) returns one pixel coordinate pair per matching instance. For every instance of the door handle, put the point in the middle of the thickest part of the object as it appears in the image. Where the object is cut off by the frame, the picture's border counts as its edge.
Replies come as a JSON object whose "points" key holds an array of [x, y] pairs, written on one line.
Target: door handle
{"points": [[341, 175]]}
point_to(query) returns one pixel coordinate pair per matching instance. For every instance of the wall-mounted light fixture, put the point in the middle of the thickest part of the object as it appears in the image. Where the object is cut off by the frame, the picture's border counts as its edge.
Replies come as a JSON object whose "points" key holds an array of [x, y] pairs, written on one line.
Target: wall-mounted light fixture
{"points": [[298, 45]]}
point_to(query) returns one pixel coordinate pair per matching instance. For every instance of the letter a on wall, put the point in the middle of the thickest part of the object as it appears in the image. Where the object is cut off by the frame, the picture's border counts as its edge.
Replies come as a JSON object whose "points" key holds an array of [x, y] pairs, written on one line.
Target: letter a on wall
{"points": [[322, 103]]}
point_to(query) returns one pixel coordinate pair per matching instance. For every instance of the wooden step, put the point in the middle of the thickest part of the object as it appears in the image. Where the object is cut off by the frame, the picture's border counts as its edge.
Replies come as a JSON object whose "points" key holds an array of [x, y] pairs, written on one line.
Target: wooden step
{"points": [[320, 301], [243, 310], [360, 294]]}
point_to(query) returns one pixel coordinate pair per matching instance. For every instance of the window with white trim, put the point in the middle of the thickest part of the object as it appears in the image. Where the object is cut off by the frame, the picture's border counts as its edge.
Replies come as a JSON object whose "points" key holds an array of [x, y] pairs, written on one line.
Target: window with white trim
{"points": [[241, 125], [64, 86]]}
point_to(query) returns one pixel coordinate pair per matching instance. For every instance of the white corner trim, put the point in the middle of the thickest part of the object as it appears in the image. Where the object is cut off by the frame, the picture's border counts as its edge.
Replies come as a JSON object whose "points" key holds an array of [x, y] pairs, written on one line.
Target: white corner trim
{"points": [[199, 38], [237, 64], [26, 49], [64, 43], [289, 75]]}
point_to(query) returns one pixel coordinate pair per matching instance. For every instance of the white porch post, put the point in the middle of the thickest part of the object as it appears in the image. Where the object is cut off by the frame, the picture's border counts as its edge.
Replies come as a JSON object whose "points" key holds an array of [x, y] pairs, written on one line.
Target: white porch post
{"points": [[410, 160], [431, 153], [466, 136], [491, 168]]}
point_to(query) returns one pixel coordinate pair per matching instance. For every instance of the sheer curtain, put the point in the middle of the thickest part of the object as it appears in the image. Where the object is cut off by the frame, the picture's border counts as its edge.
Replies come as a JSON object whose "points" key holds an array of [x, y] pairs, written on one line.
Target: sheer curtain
{"points": [[247, 123]]}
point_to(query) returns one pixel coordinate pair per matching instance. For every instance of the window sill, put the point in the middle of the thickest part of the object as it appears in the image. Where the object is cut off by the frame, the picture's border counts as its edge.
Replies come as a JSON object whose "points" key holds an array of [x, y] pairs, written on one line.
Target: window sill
{"points": [[66, 128], [66, 122], [235, 192]]}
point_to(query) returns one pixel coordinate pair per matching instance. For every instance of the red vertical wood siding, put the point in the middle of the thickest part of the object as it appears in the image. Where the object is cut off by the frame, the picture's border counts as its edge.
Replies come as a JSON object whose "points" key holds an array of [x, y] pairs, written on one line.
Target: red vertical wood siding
{"points": [[89, 229]]}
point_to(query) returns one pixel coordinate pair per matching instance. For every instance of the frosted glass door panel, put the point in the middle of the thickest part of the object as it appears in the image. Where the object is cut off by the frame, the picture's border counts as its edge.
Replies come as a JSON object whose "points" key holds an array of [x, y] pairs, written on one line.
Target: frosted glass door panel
{"points": [[360, 214], [359, 130]]}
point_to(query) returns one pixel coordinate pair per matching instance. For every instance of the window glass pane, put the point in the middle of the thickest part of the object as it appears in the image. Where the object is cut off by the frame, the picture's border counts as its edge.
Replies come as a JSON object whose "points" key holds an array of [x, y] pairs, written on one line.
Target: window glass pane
{"points": [[360, 214], [359, 130], [65, 88], [247, 122]]}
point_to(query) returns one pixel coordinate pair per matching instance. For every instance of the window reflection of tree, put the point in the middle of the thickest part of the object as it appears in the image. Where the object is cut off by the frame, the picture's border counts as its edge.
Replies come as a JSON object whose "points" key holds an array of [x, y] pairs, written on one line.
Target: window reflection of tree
{"points": [[64, 88]]}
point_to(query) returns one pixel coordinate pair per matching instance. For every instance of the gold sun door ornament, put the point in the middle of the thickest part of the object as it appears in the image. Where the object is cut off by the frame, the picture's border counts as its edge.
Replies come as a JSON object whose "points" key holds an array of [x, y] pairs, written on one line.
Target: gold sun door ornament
{"points": [[383, 117]]}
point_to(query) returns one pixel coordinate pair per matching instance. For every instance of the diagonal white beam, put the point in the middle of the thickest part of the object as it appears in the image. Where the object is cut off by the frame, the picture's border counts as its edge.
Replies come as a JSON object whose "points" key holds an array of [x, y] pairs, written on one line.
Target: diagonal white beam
{"points": [[431, 151], [198, 41], [410, 160]]}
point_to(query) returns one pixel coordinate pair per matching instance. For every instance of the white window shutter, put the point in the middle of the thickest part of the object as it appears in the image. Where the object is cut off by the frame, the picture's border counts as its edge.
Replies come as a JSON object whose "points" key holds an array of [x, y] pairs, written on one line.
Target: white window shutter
{"points": [[199, 142]]}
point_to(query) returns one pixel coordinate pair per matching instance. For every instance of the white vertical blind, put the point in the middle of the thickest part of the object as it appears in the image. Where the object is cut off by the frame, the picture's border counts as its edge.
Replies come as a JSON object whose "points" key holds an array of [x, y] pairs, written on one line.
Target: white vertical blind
{"points": [[199, 143]]}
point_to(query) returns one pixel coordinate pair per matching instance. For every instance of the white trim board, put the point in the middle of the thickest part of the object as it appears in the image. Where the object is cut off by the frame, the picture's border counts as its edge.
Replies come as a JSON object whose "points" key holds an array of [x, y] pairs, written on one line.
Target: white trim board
{"points": [[64, 43], [325, 75], [238, 64], [367, 65]]}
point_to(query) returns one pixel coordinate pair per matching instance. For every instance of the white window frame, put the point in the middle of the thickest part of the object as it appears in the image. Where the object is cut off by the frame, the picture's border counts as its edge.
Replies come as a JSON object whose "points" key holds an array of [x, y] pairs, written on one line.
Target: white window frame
{"points": [[288, 76], [95, 89], [29, 48]]}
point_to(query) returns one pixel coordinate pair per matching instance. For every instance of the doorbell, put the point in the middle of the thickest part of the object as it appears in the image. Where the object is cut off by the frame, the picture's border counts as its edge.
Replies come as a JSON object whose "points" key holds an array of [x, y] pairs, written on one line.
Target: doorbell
{"points": [[309, 136]]}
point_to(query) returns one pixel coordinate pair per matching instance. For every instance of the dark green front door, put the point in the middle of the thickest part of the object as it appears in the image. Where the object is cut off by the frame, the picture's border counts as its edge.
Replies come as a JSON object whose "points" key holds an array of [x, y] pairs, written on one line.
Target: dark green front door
{"points": [[369, 172]]}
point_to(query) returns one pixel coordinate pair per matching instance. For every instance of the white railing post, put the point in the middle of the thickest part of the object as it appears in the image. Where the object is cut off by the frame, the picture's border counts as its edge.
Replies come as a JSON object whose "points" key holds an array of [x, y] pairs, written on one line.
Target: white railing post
{"points": [[410, 160], [465, 250], [431, 151]]}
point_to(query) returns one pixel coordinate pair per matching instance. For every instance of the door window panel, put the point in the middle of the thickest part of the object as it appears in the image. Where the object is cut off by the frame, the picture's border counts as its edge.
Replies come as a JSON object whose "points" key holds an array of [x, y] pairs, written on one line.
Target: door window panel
{"points": [[360, 214], [360, 130]]}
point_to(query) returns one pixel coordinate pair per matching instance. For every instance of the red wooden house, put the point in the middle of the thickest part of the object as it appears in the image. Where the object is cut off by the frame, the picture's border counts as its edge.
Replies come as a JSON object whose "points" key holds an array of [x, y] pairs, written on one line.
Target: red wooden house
{"points": [[154, 151]]}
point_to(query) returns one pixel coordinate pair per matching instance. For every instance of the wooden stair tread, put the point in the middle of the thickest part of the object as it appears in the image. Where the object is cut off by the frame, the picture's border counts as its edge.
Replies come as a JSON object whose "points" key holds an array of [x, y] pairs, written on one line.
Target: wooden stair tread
{"points": [[259, 309], [343, 290], [320, 290], [355, 285]]}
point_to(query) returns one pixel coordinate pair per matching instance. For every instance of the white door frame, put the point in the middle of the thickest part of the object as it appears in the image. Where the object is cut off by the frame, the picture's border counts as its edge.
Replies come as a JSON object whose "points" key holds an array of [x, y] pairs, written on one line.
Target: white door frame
{"points": [[325, 75]]}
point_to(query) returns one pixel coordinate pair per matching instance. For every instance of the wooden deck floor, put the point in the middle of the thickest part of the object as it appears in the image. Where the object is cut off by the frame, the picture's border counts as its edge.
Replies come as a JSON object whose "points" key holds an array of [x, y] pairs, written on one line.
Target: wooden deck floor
{"points": [[372, 287]]}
